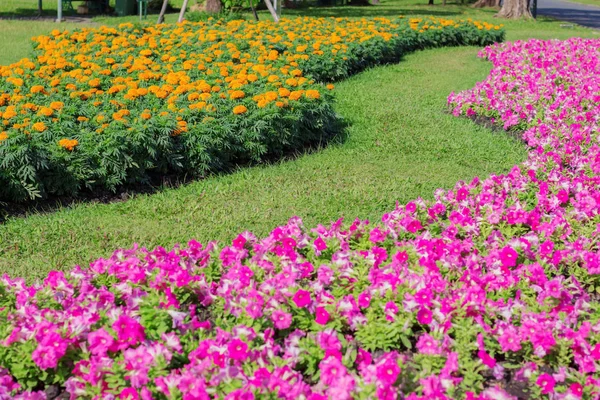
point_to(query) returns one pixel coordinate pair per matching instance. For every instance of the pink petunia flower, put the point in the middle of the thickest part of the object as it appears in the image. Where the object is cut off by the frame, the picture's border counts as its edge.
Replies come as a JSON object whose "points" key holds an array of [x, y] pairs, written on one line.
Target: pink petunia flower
{"points": [[302, 298]]}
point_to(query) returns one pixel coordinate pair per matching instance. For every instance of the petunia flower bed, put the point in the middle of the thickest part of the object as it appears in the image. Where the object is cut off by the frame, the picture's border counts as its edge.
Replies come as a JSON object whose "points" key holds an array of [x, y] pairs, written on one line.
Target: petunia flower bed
{"points": [[488, 292], [96, 109]]}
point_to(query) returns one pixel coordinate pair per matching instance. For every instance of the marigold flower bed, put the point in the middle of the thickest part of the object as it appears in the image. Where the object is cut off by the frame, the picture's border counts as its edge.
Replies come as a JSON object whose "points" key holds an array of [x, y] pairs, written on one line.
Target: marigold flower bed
{"points": [[100, 108]]}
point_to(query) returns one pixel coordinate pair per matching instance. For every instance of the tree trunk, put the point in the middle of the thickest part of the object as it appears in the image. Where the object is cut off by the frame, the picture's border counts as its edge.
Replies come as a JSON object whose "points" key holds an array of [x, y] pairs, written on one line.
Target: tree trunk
{"points": [[271, 10], [430, 2], [182, 11], [514, 9], [163, 10], [486, 3], [251, 2], [213, 6]]}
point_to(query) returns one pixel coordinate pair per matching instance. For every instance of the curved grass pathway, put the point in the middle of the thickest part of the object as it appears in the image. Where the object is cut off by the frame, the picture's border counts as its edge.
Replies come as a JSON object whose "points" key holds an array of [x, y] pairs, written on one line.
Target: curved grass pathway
{"points": [[401, 145]]}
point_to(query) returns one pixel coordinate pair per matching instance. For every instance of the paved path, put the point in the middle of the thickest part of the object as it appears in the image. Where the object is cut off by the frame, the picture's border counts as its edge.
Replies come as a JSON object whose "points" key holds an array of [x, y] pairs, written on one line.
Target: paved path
{"points": [[581, 14]]}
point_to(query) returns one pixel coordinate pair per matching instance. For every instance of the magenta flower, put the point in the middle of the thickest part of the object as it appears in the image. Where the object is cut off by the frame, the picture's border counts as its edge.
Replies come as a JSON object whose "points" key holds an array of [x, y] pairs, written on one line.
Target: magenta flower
{"points": [[428, 345], [129, 331], [388, 371], [596, 352], [281, 320], [239, 242], [45, 357], [486, 359], [546, 382], [401, 257], [322, 316], [509, 339], [414, 226], [364, 300], [320, 244], [237, 349], [424, 297], [376, 236], [331, 370], [129, 394], [576, 389], [302, 298], [508, 257], [424, 316], [100, 341]]}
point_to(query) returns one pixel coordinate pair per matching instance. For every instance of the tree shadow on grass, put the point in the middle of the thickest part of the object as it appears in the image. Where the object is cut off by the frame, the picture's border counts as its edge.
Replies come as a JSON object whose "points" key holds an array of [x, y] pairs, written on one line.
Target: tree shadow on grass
{"points": [[31, 14], [306, 10], [589, 18], [365, 11]]}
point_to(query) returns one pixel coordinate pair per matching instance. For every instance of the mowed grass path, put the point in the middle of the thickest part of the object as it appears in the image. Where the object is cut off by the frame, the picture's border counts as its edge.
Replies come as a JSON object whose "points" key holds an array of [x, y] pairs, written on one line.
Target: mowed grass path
{"points": [[401, 145]]}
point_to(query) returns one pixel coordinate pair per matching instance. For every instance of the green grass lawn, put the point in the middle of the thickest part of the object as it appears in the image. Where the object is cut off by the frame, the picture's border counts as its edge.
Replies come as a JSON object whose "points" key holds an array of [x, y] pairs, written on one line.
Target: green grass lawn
{"points": [[401, 144]]}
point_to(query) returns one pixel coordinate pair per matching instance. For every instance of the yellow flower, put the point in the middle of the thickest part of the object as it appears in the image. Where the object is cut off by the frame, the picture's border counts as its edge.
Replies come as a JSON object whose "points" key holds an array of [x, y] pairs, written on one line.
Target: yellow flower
{"points": [[57, 105], [46, 111], [68, 144], [36, 89], [94, 82], [39, 126], [295, 95], [239, 109], [237, 94], [312, 94]]}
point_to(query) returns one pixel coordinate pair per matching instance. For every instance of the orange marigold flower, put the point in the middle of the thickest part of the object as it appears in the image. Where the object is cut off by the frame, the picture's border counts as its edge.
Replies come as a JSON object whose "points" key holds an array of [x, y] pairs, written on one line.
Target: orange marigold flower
{"points": [[295, 95], [37, 89], [39, 126], [94, 82], [82, 119], [3, 136], [330, 86], [57, 105], [146, 114], [271, 96], [312, 94], [237, 94], [68, 144], [46, 111], [181, 127], [239, 109]]}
